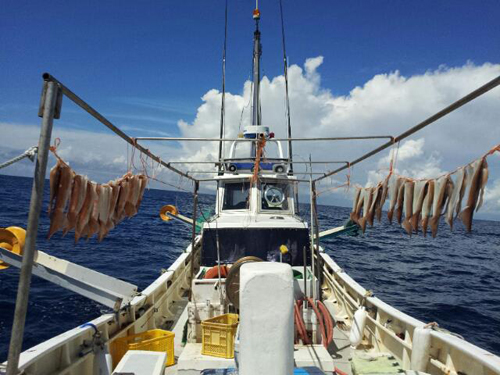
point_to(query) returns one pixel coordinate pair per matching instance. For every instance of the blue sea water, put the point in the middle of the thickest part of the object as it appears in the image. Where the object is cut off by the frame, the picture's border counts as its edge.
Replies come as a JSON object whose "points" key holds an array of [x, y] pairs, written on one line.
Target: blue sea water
{"points": [[453, 279]]}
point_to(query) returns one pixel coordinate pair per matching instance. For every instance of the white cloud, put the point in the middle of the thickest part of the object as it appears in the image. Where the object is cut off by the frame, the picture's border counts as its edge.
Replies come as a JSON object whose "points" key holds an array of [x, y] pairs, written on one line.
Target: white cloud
{"points": [[408, 160], [101, 156], [312, 64], [387, 104]]}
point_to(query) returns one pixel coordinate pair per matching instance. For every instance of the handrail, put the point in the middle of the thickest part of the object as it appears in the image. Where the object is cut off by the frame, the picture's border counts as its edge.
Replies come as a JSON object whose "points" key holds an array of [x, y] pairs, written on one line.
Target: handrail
{"points": [[483, 357], [204, 139], [250, 159], [459, 103], [85, 106]]}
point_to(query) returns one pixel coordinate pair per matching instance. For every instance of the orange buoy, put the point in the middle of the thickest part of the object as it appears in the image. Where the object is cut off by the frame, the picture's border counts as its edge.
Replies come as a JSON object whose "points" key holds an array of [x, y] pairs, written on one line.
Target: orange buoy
{"points": [[213, 273]]}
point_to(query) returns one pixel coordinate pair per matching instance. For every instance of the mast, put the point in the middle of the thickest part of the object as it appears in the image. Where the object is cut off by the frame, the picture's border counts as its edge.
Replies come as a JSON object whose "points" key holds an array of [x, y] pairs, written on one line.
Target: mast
{"points": [[257, 51]]}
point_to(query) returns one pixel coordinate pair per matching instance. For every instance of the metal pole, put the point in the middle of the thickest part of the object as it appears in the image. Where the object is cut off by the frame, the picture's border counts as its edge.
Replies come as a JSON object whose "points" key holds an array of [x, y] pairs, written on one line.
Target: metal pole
{"points": [[316, 237], [313, 271], [304, 250], [222, 109], [256, 117], [287, 99], [193, 232], [203, 139], [16, 339]]}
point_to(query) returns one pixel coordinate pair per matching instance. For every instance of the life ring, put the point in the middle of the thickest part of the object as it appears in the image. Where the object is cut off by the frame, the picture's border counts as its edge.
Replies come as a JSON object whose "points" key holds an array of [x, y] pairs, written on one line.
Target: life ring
{"points": [[168, 209], [213, 273]]}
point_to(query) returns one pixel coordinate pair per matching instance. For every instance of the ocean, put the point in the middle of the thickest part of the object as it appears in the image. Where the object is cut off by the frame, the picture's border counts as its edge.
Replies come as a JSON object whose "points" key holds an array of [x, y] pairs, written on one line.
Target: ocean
{"points": [[453, 279]]}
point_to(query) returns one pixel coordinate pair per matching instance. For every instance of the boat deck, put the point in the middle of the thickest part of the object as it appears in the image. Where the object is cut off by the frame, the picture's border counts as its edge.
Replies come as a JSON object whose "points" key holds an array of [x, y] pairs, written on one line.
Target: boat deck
{"points": [[190, 361]]}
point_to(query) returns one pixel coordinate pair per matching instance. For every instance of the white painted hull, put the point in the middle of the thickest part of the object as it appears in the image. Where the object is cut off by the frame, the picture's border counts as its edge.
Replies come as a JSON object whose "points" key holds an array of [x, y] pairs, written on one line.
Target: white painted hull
{"points": [[159, 302], [449, 354]]}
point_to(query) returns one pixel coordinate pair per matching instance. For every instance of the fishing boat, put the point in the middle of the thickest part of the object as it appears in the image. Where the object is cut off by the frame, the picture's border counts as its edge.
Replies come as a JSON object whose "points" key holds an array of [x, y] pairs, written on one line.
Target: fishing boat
{"points": [[253, 293]]}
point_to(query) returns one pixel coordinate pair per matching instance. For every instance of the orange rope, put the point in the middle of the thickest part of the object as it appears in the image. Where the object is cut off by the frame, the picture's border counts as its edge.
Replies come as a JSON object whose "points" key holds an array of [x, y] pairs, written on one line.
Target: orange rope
{"points": [[348, 176], [53, 149], [493, 150], [256, 167]]}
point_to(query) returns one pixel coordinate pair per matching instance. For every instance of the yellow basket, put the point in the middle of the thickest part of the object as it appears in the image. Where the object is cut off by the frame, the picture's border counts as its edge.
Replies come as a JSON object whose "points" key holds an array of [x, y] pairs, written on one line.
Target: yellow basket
{"points": [[218, 335], [155, 340]]}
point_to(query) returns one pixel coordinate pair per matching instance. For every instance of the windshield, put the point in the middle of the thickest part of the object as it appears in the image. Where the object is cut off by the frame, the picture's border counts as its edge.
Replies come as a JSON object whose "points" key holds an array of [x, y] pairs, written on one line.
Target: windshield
{"points": [[274, 196], [236, 196]]}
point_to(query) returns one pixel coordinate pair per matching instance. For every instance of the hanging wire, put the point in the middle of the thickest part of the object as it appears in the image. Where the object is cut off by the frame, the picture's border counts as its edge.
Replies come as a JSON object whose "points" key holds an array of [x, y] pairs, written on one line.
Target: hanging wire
{"points": [[287, 99], [223, 110], [246, 106]]}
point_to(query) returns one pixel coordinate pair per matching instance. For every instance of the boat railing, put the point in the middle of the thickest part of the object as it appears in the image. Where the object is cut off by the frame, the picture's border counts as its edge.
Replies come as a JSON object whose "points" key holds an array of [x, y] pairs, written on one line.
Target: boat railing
{"points": [[148, 310], [393, 330]]}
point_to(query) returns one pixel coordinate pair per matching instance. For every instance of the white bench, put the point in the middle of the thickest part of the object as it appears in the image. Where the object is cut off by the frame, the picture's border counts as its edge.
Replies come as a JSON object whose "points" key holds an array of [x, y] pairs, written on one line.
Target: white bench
{"points": [[141, 362]]}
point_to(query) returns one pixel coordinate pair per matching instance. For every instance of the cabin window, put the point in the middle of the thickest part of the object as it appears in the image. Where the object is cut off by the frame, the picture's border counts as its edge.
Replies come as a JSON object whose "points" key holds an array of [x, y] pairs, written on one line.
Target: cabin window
{"points": [[236, 196], [274, 196], [244, 150]]}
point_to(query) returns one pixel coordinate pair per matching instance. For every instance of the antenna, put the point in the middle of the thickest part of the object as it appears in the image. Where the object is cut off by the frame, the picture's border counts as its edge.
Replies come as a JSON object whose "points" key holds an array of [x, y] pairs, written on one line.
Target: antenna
{"points": [[223, 104], [287, 99], [257, 51]]}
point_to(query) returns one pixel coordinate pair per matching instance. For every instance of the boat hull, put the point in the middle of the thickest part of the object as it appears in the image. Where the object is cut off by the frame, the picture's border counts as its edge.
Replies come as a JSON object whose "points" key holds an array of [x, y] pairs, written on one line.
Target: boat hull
{"points": [[160, 304]]}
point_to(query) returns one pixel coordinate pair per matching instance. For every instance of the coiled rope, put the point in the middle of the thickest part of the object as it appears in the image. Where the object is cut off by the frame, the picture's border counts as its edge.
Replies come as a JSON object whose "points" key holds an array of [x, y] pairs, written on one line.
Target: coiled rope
{"points": [[29, 153]]}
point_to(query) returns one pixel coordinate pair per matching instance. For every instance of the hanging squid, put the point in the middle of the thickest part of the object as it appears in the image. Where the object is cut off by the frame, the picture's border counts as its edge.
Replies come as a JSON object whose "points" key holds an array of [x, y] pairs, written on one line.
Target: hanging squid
{"points": [[90, 208]]}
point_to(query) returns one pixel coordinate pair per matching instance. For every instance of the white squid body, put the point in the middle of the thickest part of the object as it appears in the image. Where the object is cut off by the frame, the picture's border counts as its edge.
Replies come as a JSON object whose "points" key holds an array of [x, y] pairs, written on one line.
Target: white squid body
{"points": [[367, 200], [394, 185], [408, 205], [437, 204], [427, 205], [455, 197], [383, 198], [418, 200], [484, 180], [355, 200]]}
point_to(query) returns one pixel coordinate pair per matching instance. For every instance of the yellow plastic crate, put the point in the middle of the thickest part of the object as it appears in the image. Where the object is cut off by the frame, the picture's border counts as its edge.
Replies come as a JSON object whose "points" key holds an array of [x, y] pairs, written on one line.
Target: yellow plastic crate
{"points": [[218, 335], [155, 340]]}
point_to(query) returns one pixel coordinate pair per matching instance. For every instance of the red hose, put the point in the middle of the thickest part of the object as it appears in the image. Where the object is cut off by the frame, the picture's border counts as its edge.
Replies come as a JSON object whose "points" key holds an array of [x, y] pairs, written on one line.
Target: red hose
{"points": [[328, 321], [295, 328], [300, 325], [321, 324], [339, 372]]}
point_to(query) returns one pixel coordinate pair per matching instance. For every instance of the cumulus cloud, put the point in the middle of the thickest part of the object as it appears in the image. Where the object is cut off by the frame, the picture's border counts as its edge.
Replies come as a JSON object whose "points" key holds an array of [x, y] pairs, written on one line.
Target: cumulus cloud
{"points": [[101, 156], [387, 104]]}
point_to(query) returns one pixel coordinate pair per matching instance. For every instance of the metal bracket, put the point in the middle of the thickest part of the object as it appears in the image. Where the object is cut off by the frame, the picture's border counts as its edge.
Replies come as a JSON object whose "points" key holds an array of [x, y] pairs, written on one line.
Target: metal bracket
{"points": [[106, 290], [59, 98]]}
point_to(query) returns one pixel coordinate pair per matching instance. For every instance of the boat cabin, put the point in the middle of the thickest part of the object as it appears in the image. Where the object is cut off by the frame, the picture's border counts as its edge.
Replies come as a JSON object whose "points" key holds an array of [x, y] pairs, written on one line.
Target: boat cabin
{"points": [[255, 218]]}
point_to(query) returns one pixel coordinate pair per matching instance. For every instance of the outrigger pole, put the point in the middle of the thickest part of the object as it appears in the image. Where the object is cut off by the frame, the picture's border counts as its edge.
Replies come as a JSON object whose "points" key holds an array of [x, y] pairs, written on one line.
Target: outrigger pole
{"points": [[86, 107], [49, 109]]}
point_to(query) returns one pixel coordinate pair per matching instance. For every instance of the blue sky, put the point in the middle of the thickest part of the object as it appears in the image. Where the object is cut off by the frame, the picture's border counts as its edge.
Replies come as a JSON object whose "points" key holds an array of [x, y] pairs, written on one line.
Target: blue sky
{"points": [[156, 59], [356, 67]]}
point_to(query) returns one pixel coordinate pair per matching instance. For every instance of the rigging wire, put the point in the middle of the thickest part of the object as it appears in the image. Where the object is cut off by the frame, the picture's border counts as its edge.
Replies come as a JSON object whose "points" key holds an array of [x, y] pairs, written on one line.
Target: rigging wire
{"points": [[287, 99], [245, 107], [223, 110]]}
